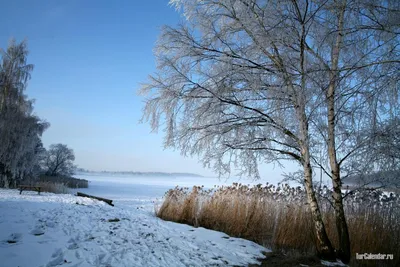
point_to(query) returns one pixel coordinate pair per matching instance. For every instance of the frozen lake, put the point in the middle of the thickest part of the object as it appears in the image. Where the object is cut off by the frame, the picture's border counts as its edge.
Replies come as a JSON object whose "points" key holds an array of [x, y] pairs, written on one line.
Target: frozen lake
{"points": [[131, 190]]}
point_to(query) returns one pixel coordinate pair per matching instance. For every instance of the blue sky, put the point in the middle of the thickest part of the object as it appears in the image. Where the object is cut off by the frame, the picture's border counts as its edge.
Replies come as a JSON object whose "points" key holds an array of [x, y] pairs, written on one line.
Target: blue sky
{"points": [[90, 58]]}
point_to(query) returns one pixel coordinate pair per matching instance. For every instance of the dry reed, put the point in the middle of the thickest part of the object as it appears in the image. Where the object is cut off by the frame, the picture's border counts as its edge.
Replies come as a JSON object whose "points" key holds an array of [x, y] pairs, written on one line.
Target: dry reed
{"points": [[56, 188], [279, 217]]}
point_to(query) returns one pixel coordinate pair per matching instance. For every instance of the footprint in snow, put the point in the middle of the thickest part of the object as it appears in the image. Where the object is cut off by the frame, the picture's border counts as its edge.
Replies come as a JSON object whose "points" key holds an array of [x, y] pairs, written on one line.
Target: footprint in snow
{"points": [[14, 238], [37, 231], [58, 258]]}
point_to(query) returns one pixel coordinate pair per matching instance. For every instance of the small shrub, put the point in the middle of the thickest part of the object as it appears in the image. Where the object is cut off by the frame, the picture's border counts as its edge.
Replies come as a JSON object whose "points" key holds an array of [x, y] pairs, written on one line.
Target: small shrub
{"points": [[56, 188], [68, 181]]}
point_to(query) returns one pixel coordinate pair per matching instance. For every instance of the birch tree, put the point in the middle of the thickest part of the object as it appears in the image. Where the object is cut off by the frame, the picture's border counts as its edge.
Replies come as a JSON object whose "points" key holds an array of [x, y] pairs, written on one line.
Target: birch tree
{"points": [[20, 130], [241, 82], [359, 84]]}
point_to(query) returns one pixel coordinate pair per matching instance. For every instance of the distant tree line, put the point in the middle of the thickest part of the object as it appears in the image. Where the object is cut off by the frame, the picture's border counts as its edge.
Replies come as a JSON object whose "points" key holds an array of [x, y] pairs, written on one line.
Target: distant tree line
{"points": [[167, 174], [22, 155]]}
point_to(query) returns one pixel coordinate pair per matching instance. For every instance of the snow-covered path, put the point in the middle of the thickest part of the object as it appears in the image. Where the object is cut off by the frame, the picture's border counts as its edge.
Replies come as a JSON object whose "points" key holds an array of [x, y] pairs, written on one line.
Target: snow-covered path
{"points": [[53, 230]]}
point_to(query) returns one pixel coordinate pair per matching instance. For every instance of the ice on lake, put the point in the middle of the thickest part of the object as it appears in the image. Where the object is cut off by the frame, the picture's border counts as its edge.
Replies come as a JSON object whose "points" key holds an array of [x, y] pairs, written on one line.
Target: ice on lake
{"points": [[133, 190]]}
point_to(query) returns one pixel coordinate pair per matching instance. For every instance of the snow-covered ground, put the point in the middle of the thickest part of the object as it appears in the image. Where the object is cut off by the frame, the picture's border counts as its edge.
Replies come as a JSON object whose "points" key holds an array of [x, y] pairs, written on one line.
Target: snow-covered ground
{"points": [[65, 230]]}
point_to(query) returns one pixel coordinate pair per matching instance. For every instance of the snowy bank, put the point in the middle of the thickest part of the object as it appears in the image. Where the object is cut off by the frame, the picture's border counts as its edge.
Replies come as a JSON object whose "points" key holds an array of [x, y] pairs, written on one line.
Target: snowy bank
{"points": [[65, 230]]}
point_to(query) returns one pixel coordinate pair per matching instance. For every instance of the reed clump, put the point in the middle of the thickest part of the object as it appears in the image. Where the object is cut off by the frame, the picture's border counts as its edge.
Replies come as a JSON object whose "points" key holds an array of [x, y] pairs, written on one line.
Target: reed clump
{"points": [[57, 188], [279, 216]]}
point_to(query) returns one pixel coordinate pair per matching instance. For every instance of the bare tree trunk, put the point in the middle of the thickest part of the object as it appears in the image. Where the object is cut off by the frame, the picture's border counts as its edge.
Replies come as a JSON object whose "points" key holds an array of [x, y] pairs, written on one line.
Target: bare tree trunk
{"points": [[324, 246], [6, 181], [340, 219], [341, 224]]}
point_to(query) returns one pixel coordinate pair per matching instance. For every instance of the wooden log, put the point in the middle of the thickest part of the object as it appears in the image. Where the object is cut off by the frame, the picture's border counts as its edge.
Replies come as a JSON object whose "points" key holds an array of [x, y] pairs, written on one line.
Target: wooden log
{"points": [[108, 201]]}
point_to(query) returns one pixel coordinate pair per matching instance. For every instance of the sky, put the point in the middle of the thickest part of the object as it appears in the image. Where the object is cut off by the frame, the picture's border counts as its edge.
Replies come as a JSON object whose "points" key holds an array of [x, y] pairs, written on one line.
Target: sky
{"points": [[90, 59]]}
